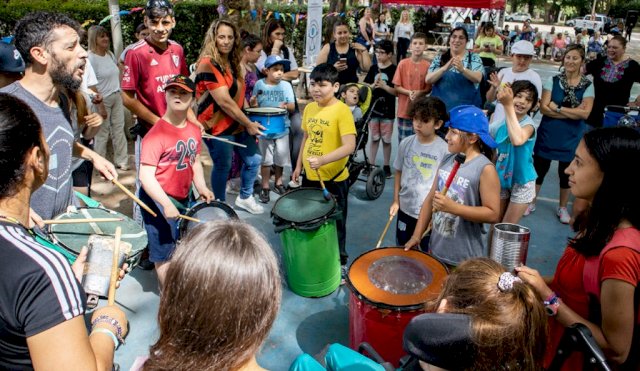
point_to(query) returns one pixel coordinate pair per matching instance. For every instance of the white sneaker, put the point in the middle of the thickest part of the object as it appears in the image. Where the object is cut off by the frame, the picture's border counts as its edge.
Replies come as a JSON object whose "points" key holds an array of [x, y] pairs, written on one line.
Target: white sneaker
{"points": [[563, 215], [249, 204], [233, 186], [530, 209]]}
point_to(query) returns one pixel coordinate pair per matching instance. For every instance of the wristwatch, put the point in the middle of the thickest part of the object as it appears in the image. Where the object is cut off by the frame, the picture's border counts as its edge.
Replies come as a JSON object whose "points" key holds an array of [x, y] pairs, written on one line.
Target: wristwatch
{"points": [[551, 304], [558, 109]]}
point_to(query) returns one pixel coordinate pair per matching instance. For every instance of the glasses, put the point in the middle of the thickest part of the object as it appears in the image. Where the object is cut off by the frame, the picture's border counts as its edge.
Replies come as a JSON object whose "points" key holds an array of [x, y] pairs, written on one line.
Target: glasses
{"points": [[380, 52]]}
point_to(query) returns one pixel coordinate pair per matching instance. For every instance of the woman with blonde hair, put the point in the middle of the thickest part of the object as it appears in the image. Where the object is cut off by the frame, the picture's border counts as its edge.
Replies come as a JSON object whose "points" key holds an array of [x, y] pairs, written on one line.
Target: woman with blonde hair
{"points": [[402, 35], [229, 267], [220, 91], [106, 68], [484, 317]]}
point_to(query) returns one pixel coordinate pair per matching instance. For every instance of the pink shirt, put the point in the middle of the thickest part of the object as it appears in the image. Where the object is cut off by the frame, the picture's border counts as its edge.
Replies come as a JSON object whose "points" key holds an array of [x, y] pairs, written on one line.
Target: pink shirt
{"points": [[173, 151]]}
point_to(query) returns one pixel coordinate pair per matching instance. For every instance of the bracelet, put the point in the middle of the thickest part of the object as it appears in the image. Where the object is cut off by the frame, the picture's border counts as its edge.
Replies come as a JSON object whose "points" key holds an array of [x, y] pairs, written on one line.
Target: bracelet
{"points": [[111, 335], [111, 321], [551, 304]]}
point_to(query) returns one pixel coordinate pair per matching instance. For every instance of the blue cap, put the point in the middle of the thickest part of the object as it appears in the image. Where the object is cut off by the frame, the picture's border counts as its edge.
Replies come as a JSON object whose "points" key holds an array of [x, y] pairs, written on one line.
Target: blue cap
{"points": [[272, 60], [10, 59], [472, 120]]}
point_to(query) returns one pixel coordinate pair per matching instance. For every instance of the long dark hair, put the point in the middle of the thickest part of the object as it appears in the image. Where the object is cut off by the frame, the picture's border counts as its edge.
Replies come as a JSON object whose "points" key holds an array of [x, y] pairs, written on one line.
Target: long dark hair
{"points": [[270, 26], [20, 131], [617, 198], [221, 296], [447, 55]]}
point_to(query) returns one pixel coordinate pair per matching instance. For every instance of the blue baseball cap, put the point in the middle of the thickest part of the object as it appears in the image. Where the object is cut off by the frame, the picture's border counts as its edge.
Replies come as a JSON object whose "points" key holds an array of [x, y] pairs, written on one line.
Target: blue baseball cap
{"points": [[272, 60], [472, 120], [10, 59]]}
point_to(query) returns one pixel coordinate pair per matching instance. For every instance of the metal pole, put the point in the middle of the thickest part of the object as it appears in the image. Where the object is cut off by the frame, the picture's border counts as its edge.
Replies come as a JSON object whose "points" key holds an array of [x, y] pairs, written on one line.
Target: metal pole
{"points": [[116, 29], [593, 11]]}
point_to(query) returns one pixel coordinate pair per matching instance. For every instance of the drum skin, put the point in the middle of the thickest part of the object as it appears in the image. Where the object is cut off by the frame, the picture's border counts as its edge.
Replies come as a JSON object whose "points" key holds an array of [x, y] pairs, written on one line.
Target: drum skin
{"points": [[205, 212], [74, 236], [377, 315]]}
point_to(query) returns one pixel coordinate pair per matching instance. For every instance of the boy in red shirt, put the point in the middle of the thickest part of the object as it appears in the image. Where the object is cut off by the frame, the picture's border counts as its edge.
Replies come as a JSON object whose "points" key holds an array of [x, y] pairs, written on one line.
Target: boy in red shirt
{"points": [[169, 162]]}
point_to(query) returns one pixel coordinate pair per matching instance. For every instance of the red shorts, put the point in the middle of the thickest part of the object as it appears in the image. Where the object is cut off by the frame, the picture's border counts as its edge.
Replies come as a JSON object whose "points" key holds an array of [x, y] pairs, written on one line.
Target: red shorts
{"points": [[381, 128]]}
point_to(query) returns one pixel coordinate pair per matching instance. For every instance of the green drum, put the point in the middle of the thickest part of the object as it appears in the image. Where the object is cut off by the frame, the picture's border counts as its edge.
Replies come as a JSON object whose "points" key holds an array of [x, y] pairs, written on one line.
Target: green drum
{"points": [[307, 226]]}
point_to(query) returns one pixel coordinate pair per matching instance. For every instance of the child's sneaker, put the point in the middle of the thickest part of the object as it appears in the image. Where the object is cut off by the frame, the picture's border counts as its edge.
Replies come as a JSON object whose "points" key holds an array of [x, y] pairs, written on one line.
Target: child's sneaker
{"points": [[563, 215], [387, 171], [249, 204], [344, 272], [530, 209], [264, 196]]}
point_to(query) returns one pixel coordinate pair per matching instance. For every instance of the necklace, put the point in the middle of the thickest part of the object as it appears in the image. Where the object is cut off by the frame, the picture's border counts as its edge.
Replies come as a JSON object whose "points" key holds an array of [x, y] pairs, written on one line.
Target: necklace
{"points": [[13, 220]]}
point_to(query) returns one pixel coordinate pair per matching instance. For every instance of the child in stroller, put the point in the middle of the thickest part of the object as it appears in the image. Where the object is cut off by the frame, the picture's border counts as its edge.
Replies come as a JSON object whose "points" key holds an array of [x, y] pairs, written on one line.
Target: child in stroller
{"points": [[375, 178]]}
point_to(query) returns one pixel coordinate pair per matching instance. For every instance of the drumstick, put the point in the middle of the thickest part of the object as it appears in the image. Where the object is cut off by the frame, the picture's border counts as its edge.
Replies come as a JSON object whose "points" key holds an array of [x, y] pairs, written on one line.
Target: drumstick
{"points": [[74, 221], [325, 193], [111, 299], [457, 161], [133, 197], [189, 218], [209, 136], [384, 231]]}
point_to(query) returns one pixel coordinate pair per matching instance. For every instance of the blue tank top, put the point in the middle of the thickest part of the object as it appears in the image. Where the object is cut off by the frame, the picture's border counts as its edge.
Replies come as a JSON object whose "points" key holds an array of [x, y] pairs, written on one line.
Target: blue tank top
{"points": [[351, 73]]}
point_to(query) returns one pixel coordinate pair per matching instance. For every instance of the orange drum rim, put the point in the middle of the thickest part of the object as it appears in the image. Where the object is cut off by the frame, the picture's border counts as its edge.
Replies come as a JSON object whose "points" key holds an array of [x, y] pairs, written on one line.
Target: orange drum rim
{"points": [[360, 284]]}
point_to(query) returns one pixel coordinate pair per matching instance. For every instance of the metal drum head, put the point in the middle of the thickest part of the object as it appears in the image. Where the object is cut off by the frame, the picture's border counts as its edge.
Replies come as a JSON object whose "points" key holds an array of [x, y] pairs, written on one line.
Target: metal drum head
{"points": [[396, 279], [303, 205], [266, 111], [215, 210], [74, 236]]}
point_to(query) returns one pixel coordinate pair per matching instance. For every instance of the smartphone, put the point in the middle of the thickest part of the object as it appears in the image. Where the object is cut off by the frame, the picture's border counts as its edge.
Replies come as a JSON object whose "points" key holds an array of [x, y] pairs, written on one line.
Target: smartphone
{"points": [[343, 59]]}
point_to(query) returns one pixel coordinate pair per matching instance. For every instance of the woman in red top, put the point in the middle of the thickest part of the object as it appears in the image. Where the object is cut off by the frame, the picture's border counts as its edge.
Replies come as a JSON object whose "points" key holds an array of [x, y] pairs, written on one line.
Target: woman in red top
{"points": [[220, 90], [599, 173]]}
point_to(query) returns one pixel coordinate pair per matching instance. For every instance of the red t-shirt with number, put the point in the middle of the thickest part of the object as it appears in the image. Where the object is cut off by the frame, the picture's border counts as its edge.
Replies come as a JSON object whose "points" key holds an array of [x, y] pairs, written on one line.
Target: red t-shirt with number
{"points": [[147, 69], [173, 151]]}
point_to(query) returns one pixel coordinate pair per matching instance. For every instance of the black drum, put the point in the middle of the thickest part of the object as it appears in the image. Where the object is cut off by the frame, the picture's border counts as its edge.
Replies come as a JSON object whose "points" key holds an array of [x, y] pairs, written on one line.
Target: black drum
{"points": [[206, 212]]}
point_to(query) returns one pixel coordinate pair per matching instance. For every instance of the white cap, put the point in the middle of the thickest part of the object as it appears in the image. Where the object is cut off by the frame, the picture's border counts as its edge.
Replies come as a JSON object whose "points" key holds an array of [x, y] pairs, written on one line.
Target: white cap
{"points": [[523, 47]]}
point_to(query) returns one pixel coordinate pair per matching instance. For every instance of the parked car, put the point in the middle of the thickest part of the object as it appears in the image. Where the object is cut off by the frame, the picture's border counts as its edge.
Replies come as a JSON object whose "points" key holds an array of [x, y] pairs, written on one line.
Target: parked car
{"points": [[597, 24], [572, 22], [518, 17]]}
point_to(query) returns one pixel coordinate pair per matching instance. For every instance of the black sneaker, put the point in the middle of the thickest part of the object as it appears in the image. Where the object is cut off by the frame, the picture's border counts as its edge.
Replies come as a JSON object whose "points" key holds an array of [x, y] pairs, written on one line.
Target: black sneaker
{"points": [[279, 189], [145, 263], [264, 196], [387, 172]]}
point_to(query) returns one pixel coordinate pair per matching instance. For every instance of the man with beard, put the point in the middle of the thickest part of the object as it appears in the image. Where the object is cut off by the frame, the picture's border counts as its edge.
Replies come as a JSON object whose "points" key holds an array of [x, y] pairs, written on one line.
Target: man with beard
{"points": [[50, 46]]}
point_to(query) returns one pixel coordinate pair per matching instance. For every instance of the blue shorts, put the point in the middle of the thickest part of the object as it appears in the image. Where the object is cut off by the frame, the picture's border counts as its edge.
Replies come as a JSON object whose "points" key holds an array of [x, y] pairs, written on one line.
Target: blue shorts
{"points": [[162, 233]]}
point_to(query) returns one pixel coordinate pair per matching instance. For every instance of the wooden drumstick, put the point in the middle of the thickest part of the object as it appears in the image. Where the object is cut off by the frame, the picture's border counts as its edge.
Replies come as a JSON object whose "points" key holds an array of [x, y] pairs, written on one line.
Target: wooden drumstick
{"points": [[209, 136], [133, 197], [384, 231], [111, 299], [189, 218], [75, 221]]}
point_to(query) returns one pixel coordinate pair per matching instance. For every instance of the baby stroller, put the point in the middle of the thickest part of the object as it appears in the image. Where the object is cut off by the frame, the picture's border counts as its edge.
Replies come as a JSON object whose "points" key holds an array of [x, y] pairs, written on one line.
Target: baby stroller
{"points": [[374, 177], [621, 116]]}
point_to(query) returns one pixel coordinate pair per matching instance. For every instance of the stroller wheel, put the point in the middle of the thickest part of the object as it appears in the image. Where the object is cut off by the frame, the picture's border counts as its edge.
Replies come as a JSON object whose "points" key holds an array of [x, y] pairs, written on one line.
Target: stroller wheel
{"points": [[375, 183]]}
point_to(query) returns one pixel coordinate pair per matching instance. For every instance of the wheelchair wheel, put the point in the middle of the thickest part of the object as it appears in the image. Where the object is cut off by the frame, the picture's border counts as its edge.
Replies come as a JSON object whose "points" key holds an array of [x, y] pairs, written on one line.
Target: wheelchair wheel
{"points": [[375, 183]]}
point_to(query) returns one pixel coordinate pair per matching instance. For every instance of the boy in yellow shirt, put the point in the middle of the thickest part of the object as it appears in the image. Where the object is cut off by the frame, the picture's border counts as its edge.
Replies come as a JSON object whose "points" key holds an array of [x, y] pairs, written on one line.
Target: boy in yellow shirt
{"points": [[329, 139]]}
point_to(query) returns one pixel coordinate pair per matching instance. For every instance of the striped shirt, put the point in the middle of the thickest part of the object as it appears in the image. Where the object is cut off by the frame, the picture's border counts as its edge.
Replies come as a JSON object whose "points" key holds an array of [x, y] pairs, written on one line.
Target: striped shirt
{"points": [[37, 292]]}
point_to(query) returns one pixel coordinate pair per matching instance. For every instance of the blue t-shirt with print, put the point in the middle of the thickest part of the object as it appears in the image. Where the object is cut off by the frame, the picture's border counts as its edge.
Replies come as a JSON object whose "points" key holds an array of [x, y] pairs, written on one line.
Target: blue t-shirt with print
{"points": [[273, 96], [515, 163]]}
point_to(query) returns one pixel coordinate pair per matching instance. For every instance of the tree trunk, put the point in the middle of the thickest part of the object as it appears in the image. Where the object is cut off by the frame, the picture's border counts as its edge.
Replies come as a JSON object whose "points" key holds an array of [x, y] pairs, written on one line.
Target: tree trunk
{"points": [[512, 5]]}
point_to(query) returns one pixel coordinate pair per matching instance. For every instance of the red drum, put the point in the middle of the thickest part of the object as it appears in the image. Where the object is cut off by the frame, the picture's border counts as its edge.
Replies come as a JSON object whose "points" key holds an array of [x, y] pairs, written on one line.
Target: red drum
{"points": [[389, 286]]}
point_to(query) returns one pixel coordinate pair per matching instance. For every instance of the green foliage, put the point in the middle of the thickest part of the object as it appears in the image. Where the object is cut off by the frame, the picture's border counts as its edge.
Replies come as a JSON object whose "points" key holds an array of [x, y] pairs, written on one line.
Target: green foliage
{"points": [[193, 17], [620, 9]]}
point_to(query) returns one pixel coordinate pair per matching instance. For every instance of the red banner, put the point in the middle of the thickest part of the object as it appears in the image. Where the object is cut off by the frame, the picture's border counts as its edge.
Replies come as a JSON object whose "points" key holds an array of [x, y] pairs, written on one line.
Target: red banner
{"points": [[472, 4]]}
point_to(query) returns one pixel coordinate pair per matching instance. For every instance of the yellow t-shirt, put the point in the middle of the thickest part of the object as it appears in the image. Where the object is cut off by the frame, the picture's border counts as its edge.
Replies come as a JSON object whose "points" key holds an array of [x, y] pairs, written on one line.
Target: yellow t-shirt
{"points": [[494, 41], [325, 127]]}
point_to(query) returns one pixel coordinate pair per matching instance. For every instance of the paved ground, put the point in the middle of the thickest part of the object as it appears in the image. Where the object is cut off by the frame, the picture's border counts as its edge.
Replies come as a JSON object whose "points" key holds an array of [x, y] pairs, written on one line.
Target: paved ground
{"points": [[307, 325]]}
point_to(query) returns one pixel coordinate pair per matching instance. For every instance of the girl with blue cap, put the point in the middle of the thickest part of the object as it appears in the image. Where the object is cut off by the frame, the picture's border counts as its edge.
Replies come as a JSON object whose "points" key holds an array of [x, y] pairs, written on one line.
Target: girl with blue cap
{"points": [[473, 197]]}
